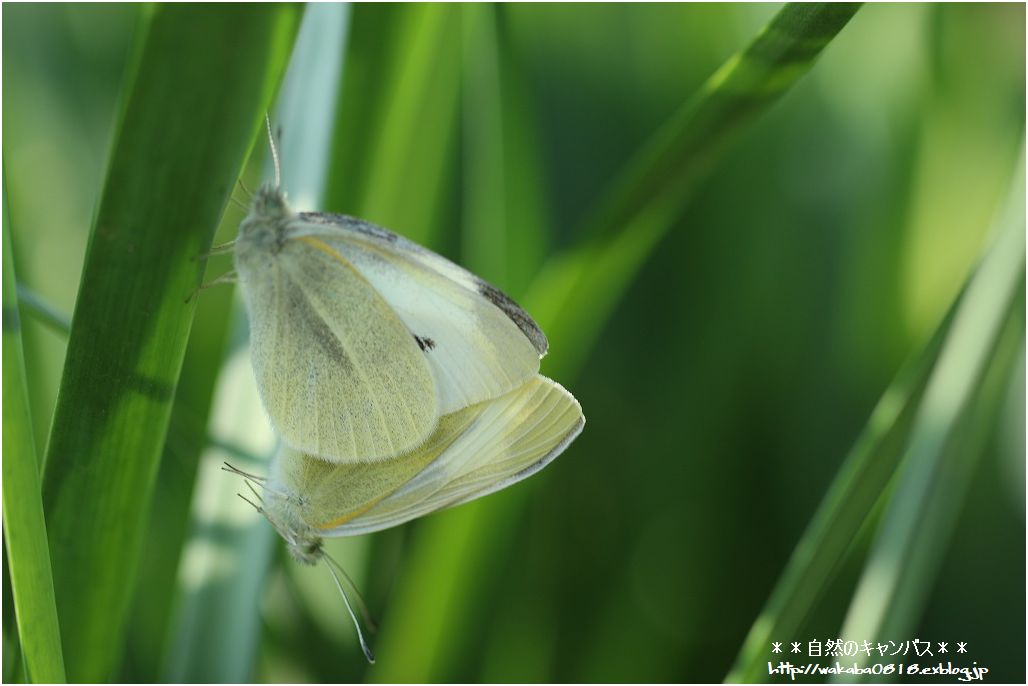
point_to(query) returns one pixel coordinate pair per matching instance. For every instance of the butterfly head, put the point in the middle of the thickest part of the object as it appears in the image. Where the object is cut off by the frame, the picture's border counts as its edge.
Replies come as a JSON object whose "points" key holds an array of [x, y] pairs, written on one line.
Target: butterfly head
{"points": [[306, 550], [263, 232], [269, 204], [282, 511]]}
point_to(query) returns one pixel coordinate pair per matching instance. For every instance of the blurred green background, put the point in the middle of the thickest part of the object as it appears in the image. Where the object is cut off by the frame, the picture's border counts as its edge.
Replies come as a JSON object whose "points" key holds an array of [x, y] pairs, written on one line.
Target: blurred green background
{"points": [[723, 387]]}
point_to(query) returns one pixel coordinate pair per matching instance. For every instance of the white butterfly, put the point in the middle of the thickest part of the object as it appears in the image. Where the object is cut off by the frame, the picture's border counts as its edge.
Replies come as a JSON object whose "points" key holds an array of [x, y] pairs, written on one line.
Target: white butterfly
{"points": [[363, 340], [401, 383]]}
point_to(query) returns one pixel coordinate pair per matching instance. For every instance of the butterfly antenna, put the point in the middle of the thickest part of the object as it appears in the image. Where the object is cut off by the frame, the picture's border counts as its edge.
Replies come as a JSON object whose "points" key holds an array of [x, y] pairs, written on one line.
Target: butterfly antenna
{"points": [[274, 151], [239, 472], [251, 480], [260, 510], [360, 635], [362, 605], [257, 480], [254, 491]]}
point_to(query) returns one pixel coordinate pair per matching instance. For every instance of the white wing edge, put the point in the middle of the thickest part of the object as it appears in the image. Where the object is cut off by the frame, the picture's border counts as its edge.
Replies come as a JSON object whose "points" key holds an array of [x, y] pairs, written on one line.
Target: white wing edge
{"points": [[525, 472]]}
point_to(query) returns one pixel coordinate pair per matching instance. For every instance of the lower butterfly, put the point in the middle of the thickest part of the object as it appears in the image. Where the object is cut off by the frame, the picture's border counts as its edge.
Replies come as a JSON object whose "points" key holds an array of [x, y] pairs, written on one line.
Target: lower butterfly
{"points": [[472, 452]]}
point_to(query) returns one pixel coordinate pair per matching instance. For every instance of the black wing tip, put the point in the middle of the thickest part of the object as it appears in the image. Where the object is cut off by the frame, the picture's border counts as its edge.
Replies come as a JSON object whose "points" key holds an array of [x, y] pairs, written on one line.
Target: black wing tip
{"points": [[515, 314]]}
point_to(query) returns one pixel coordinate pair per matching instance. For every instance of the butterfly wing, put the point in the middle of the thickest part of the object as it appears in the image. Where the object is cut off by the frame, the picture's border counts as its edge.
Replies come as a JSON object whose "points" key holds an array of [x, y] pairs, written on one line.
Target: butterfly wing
{"points": [[473, 452], [339, 373], [479, 344], [512, 438], [331, 493]]}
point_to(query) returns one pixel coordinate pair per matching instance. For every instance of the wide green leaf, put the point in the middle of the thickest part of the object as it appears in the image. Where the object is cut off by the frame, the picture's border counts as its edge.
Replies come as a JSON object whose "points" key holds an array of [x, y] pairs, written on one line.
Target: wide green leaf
{"points": [[179, 145], [151, 607]]}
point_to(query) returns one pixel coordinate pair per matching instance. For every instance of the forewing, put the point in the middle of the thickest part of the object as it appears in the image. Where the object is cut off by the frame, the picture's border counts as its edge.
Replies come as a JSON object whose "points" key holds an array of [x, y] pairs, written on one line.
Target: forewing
{"points": [[478, 342], [478, 451], [339, 373]]}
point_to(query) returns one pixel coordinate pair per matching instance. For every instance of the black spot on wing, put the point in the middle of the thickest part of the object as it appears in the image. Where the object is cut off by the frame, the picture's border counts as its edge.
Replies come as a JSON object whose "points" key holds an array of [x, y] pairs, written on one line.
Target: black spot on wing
{"points": [[425, 343], [515, 313], [359, 225]]}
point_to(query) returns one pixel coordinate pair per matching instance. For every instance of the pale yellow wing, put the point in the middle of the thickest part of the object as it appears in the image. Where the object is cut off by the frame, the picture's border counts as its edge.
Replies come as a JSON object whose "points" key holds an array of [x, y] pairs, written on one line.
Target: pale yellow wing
{"points": [[472, 452], [340, 375], [479, 344]]}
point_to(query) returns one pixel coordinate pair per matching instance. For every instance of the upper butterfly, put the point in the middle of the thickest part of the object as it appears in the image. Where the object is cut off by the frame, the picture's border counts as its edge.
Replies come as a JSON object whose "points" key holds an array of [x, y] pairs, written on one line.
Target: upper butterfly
{"points": [[362, 340]]}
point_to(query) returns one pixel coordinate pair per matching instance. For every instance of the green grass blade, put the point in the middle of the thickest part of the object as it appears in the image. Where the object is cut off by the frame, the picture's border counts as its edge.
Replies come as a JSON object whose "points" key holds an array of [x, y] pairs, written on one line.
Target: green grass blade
{"points": [[12, 645], [743, 89], [850, 500], [217, 626], [504, 220], [649, 195], [179, 147], [60, 93], [866, 474], [402, 79], [485, 236], [572, 300], [168, 527], [25, 535], [955, 419], [371, 52]]}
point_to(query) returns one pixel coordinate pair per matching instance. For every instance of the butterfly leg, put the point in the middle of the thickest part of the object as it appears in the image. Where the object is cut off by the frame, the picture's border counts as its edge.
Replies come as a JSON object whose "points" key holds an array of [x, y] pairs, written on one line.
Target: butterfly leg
{"points": [[227, 277], [218, 250]]}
